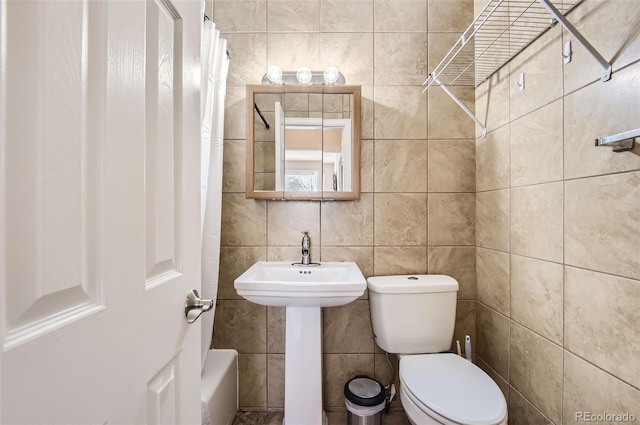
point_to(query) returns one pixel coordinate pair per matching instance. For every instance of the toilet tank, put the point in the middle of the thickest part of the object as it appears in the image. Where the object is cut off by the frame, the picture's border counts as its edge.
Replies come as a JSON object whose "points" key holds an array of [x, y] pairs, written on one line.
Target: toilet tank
{"points": [[413, 314]]}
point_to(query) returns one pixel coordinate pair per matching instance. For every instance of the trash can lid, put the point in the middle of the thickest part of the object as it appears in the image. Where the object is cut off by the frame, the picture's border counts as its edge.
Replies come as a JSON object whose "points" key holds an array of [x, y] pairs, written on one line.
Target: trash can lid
{"points": [[364, 391]]}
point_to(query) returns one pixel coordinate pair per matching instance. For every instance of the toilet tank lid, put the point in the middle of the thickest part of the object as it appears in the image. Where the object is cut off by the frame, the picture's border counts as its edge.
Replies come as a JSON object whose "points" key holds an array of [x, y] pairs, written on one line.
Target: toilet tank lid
{"points": [[412, 284]]}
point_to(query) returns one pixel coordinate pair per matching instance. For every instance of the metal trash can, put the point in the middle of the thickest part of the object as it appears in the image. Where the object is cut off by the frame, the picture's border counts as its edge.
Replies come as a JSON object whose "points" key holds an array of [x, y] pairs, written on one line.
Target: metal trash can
{"points": [[365, 399]]}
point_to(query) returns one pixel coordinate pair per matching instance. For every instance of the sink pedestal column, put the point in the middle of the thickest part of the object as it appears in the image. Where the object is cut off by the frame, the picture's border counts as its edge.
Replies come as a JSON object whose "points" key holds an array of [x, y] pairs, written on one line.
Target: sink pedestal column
{"points": [[303, 367]]}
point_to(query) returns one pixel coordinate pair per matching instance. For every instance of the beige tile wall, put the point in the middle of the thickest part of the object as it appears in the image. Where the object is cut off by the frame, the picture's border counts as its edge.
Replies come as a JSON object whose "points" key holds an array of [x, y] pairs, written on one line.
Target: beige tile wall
{"points": [[558, 225], [417, 212]]}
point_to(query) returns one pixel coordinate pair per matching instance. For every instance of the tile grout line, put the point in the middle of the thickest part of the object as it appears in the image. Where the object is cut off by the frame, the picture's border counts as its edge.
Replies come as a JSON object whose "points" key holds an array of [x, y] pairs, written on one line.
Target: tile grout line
{"points": [[564, 245]]}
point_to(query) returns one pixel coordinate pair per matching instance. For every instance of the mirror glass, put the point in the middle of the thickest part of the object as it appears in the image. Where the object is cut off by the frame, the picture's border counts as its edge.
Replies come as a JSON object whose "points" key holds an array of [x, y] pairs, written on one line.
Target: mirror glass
{"points": [[303, 142]]}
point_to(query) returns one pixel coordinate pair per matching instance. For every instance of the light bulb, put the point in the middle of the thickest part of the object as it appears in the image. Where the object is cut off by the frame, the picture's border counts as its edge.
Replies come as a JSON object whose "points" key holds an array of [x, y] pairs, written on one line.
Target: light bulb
{"points": [[331, 75], [274, 74], [304, 75]]}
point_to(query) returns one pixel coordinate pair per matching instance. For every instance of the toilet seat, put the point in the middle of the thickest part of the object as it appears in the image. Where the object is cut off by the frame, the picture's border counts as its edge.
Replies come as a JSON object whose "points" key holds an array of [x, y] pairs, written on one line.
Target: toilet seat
{"points": [[452, 389]]}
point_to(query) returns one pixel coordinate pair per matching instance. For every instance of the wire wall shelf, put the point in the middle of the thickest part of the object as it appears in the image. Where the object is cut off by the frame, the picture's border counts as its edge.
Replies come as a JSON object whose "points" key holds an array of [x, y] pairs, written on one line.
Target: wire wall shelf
{"points": [[501, 30]]}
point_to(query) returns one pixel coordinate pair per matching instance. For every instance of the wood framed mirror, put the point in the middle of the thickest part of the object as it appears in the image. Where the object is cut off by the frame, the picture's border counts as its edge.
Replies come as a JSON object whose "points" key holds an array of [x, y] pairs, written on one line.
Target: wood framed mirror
{"points": [[303, 142]]}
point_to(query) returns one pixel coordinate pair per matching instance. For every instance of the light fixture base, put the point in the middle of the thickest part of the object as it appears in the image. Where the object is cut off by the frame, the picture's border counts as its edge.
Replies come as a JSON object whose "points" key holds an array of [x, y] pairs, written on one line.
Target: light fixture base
{"points": [[317, 79]]}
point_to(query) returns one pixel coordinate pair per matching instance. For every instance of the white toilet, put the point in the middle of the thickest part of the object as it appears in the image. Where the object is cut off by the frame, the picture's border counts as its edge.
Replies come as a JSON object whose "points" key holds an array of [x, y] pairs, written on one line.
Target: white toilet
{"points": [[414, 317]]}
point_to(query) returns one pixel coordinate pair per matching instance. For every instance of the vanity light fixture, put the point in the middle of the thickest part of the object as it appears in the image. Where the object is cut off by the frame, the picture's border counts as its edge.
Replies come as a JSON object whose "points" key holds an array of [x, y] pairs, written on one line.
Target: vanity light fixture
{"points": [[304, 77]]}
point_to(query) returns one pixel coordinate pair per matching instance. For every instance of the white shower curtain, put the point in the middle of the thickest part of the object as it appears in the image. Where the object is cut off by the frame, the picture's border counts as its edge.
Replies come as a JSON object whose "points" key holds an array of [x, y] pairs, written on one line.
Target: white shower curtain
{"points": [[215, 66]]}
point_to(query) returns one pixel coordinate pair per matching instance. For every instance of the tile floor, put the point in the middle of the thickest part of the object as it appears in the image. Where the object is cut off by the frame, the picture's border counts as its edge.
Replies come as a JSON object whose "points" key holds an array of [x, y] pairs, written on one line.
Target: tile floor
{"points": [[335, 418]]}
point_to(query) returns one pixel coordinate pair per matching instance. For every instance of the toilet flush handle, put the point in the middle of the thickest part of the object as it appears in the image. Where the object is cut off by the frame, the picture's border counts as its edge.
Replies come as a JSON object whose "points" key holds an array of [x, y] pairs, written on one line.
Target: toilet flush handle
{"points": [[194, 306]]}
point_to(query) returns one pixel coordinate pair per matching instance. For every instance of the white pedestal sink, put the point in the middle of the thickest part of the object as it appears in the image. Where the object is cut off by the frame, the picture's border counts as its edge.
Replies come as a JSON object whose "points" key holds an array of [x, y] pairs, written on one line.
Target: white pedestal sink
{"points": [[303, 290]]}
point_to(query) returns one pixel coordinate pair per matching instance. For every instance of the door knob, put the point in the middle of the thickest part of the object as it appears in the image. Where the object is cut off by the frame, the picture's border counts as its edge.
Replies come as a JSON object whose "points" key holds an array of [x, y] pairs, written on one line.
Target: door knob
{"points": [[194, 306]]}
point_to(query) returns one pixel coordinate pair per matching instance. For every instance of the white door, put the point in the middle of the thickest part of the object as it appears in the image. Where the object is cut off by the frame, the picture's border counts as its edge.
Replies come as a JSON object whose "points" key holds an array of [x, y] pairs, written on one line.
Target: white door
{"points": [[99, 211]]}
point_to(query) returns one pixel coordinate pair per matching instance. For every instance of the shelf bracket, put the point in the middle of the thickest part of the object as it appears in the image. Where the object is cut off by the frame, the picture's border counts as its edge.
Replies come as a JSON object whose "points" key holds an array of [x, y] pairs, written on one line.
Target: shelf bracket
{"points": [[620, 142], [578, 36], [461, 105]]}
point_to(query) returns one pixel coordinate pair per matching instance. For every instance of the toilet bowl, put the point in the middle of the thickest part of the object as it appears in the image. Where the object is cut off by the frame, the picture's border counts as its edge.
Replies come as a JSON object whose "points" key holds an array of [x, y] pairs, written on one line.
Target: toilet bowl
{"points": [[448, 389], [414, 317]]}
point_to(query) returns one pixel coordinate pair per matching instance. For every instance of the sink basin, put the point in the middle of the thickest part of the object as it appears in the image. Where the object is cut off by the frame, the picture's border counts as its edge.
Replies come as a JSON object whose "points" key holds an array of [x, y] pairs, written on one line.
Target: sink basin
{"points": [[283, 284], [303, 290]]}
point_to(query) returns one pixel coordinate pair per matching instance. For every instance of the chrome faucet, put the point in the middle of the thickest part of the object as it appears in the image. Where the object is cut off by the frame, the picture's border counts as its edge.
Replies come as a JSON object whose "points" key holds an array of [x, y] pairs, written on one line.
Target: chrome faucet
{"points": [[306, 249]]}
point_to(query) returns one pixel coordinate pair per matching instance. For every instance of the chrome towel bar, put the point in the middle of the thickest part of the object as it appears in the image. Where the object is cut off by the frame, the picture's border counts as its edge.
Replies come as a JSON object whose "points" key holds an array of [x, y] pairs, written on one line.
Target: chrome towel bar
{"points": [[620, 142]]}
